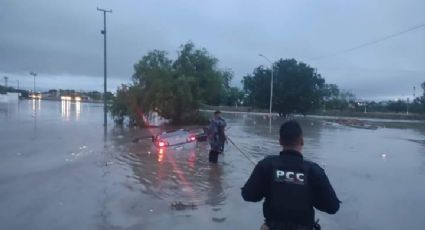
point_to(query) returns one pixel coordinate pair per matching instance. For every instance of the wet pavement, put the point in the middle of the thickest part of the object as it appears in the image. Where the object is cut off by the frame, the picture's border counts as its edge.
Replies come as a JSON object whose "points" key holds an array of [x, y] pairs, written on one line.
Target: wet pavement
{"points": [[60, 169]]}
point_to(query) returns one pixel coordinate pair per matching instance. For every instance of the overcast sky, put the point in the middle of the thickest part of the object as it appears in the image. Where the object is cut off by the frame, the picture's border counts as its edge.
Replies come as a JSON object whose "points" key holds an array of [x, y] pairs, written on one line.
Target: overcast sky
{"points": [[61, 40]]}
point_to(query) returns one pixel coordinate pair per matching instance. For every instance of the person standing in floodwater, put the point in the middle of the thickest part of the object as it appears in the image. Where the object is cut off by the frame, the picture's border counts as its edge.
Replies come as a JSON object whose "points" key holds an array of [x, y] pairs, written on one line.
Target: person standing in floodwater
{"points": [[290, 185], [216, 136]]}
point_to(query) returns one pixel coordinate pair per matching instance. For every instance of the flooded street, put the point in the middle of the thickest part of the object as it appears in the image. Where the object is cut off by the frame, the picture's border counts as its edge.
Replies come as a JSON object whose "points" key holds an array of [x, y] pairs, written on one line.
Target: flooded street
{"points": [[60, 169]]}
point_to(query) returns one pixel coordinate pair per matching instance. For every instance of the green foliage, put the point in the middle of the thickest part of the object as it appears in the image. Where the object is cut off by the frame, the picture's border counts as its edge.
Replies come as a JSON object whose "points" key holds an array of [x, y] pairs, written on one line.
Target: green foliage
{"points": [[3, 90], [207, 83], [119, 107], [234, 96], [173, 89], [257, 88], [297, 88], [418, 104], [339, 100], [398, 106], [330, 92], [126, 104], [108, 95], [94, 95]]}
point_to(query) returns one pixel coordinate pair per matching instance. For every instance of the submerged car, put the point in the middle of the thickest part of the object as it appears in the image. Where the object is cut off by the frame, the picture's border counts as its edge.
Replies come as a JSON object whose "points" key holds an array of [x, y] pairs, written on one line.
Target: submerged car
{"points": [[179, 137]]}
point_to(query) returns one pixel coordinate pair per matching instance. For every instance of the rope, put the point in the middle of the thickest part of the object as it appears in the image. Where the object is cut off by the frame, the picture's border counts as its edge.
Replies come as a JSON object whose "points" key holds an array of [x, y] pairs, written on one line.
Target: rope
{"points": [[243, 153]]}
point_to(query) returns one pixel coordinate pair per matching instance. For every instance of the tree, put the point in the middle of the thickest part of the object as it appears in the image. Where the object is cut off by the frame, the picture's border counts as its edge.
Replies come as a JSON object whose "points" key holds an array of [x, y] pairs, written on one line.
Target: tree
{"points": [[3, 89], [297, 87], [94, 95], [342, 101], [126, 103], [155, 65], [119, 107], [330, 92], [207, 83], [174, 89], [257, 88], [418, 104], [234, 96], [108, 95], [154, 78], [397, 106]]}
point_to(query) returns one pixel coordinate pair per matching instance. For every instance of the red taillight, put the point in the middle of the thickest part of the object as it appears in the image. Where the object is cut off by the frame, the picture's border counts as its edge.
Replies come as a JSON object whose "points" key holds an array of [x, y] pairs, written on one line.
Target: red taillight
{"points": [[161, 143], [191, 138]]}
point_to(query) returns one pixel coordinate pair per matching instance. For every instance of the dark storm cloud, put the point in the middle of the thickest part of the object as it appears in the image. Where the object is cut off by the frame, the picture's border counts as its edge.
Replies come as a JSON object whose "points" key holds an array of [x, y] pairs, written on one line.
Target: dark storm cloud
{"points": [[61, 38]]}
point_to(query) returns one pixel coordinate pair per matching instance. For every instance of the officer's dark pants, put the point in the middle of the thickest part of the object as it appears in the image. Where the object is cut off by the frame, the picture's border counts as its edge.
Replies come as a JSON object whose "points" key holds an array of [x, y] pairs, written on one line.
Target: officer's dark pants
{"points": [[213, 157]]}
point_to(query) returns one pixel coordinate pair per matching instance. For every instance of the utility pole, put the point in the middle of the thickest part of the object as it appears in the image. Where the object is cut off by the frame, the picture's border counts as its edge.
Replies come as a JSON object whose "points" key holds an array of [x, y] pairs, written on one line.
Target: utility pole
{"points": [[104, 63], [18, 84]]}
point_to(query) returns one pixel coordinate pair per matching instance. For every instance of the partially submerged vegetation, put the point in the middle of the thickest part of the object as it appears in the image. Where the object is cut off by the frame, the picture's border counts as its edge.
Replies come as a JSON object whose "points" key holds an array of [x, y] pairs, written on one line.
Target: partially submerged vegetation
{"points": [[173, 89]]}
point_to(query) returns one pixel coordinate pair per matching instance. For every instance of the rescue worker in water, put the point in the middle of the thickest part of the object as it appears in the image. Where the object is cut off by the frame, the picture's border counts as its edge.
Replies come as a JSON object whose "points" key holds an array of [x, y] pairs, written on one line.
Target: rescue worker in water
{"points": [[216, 136], [291, 185]]}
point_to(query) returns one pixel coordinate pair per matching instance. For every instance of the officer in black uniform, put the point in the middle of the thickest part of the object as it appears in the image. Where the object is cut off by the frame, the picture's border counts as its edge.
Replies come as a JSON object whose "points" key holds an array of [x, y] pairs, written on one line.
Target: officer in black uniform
{"points": [[290, 185]]}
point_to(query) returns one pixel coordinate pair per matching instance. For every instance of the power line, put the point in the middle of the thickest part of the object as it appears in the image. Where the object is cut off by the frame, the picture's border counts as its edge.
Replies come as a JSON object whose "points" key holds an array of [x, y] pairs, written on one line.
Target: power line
{"points": [[368, 43]]}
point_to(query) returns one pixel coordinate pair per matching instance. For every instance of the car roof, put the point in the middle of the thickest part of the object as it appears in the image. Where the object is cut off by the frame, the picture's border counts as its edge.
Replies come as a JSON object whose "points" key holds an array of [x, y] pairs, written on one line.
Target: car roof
{"points": [[174, 133]]}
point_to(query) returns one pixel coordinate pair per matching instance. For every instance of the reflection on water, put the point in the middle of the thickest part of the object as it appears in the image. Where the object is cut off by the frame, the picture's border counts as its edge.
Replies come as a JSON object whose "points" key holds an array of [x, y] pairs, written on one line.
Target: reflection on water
{"points": [[254, 137], [216, 195], [66, 109], [77, 109], [36, 106], [38, 149], [161, 155], [180, 173], [376, 173], [47, 110]]}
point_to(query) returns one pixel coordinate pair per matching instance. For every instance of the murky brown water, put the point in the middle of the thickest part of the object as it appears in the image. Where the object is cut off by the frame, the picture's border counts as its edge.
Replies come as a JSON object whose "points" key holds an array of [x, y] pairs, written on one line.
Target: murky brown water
{"points": [[60, 170]]}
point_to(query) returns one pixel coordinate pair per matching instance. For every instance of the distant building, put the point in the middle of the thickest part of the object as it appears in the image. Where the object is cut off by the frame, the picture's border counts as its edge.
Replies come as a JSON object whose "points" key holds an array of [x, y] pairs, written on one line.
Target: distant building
{"points": [[9, 97], [52, 94]]}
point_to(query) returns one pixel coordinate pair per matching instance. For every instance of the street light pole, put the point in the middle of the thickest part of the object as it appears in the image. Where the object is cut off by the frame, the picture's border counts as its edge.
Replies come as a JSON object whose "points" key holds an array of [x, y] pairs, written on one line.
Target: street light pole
{"points": [[104, 63], [271, 85], [33, 74]]}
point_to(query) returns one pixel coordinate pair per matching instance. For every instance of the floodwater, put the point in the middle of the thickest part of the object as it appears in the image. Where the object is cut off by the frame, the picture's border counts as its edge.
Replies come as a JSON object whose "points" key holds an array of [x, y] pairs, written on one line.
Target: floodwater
{"points": [[60, 169]]}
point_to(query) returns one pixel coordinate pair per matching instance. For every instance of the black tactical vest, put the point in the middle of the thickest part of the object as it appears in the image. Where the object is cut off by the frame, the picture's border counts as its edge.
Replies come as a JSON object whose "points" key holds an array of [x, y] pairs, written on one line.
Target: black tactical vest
{"points": [[290, 192]]}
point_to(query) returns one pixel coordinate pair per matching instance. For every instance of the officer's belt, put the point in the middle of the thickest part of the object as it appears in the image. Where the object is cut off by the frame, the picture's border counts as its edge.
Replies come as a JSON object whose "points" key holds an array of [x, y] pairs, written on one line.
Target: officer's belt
{"points": [[286, 226]]}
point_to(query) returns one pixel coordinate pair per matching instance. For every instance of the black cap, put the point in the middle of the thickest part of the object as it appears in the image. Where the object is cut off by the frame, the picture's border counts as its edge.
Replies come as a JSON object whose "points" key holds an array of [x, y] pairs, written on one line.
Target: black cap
{"points": [[217, 112]]}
